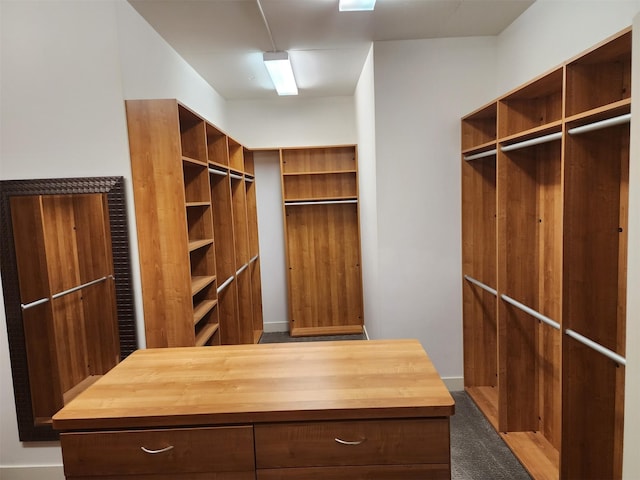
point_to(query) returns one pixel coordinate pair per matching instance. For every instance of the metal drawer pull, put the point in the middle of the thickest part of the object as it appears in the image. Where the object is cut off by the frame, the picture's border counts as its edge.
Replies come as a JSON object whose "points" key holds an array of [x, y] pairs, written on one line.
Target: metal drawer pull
{"points": [[153, 452], [347, 442]]}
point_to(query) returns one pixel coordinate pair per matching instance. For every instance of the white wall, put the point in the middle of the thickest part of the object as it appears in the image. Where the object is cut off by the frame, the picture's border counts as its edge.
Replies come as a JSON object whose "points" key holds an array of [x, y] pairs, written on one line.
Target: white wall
{"points": [[271, 237], [292, 121], [552, 31], [422, 88], [62, 115], [366, 129], [67, 67]]}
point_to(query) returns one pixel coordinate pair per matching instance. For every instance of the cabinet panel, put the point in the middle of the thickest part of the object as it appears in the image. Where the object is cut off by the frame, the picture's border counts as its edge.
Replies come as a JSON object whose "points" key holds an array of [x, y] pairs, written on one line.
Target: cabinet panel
{"points": [[174, 451], [324, 266]]}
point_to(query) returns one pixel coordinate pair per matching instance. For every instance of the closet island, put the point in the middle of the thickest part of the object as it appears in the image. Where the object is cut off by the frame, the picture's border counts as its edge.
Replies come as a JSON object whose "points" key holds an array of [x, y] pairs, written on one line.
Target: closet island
{"points": [[312, 410]]}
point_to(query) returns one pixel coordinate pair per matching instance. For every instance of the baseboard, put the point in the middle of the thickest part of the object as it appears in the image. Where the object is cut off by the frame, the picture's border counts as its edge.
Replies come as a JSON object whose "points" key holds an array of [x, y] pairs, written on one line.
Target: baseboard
{"points": [[273, 327], [454, 384], [32, 473]]}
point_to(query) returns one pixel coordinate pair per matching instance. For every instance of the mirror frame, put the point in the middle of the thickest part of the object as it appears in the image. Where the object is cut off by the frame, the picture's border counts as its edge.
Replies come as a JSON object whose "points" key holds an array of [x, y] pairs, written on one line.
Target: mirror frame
{"points": [[114, 188]]}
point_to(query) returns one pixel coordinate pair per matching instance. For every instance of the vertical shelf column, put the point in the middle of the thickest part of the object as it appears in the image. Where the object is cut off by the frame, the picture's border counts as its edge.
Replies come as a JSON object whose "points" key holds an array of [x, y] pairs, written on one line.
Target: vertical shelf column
{"points": [[480, 322], [595, 244]]}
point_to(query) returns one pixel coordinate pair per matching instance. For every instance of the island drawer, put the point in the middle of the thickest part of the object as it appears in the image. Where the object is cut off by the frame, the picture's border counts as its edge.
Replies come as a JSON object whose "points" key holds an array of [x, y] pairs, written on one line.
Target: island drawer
{"points": [[366, 442], [161, 451]]}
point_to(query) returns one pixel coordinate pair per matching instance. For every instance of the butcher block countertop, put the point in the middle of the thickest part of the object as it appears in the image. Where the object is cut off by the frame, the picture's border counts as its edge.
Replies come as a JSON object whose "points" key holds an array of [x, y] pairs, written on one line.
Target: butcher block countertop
{"points": [[288, 382]]}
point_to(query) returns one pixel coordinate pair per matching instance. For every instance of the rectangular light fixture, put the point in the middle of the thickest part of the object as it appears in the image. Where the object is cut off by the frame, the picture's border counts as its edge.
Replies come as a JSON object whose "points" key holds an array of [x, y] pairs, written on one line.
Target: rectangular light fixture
{"points": [[281, 73], [356, 5]]}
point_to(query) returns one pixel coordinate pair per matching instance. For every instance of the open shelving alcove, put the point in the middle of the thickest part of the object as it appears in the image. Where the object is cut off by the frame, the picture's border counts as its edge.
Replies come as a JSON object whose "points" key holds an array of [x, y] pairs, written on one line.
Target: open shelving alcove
{"points": [[544, 215], [322, 237]]}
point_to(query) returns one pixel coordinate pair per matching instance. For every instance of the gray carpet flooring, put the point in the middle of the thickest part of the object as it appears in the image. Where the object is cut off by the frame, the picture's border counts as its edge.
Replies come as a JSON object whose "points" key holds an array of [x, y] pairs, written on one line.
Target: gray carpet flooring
{"points": [[477, 451]]}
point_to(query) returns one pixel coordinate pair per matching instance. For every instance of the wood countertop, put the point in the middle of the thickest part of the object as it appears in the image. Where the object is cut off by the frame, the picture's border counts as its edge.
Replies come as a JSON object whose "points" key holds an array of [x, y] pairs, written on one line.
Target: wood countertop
{"points": [[299, 381]]}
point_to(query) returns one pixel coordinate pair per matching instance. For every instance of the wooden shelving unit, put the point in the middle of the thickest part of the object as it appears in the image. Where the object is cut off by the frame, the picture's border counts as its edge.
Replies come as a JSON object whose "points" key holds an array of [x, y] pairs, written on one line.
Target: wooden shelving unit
{"points": [[322, 233], [188, 255], [544, 290]]}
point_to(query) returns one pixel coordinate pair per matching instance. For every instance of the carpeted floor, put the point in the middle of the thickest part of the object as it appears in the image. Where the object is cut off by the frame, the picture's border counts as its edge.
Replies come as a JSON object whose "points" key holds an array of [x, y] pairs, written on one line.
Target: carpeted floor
{"points": [[477, 451]]}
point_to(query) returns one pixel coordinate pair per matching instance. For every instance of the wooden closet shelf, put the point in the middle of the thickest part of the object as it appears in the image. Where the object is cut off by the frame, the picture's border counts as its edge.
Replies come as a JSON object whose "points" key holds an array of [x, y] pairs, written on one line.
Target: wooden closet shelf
{"points": [[193, 161], [196, 244], [319, 201], [479, 148], [205, 334], [536, 132], [608, 111], [197, 204], [200, 282], [202, 308], [320, 172]]}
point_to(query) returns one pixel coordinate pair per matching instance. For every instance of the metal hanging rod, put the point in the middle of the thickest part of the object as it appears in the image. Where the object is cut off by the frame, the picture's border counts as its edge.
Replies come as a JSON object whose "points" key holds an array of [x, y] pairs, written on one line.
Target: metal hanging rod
{"points": [[225, 284], [26, 306], [476, 156], [215, 171], [531, 311], [534, 141], [80, 287], [249, 179], [254, 259], [609, 122], [320, 202], [481, 285], [236, 177], [619, 359], [242, 269]]}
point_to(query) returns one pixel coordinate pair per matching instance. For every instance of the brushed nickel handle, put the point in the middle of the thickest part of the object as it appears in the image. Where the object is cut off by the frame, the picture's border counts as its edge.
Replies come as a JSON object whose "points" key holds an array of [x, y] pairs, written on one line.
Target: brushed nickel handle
{"points": [[349, 442], [153, 452]]}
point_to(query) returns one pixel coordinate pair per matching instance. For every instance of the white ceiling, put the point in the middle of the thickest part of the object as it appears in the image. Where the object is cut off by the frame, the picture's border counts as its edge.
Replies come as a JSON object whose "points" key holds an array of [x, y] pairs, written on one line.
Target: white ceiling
{"points": [[224, 39]]}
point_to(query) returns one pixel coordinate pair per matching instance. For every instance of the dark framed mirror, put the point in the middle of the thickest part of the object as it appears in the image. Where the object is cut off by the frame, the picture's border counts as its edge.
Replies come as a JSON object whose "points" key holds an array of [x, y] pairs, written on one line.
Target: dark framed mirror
{"points": [[93, 212]]}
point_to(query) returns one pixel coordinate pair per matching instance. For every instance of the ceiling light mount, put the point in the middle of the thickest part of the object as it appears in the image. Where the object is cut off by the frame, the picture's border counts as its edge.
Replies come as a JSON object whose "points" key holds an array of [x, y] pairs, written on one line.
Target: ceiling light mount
{"points": [[281, 73], [356, 5]]}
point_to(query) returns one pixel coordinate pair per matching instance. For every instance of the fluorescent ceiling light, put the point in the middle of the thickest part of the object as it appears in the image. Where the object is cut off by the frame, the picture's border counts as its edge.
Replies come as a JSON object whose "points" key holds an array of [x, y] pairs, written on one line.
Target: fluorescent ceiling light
{"points": [[356, 5], [281, 73]]}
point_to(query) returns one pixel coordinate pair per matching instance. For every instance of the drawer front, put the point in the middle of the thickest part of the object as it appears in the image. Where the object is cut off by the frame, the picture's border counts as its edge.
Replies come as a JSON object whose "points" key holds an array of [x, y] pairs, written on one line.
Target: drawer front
{"points": [[378, 472], [182, 476], [192, 450], [371, 442]]}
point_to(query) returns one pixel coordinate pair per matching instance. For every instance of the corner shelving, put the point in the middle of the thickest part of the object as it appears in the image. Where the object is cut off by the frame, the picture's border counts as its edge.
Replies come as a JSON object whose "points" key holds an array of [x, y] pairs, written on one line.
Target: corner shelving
{"points": [[188, 254]]}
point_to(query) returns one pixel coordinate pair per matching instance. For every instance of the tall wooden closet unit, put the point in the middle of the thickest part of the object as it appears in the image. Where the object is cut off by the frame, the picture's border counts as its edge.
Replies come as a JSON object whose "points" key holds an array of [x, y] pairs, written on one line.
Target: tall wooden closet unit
{"points": [[322, 236], [193, 230], [544, 215]]}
